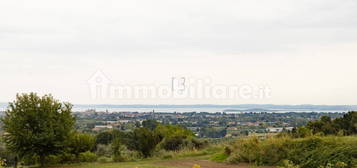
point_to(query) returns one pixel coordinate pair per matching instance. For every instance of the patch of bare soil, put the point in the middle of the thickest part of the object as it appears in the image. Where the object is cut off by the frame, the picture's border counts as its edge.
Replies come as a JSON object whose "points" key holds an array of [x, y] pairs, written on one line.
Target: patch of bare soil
{"points": [[188, 163]]}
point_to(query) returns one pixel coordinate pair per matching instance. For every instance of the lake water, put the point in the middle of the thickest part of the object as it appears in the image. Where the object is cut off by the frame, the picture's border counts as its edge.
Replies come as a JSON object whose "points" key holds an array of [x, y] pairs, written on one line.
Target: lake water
{"points": [[190, 108]]}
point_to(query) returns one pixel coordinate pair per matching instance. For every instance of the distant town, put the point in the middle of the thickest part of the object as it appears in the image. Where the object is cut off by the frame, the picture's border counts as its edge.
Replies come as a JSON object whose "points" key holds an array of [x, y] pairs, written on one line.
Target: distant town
{"points": [[203, 124]]}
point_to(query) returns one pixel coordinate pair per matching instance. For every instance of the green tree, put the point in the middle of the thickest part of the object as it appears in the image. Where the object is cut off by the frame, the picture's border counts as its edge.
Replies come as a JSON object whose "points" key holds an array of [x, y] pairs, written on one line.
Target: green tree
{"points": [[108, 136], [213, 132], [174, 136], [174, 143], [81, 142], [150, 124], [37, 125], [104, 138], [301, 132], [116, 149], [143, 140], [315, 126], [347, 123], [173, 131]]}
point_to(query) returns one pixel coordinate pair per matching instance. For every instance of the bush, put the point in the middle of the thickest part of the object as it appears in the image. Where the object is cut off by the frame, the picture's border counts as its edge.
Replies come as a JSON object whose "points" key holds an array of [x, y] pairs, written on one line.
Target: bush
{"points": [[104, 138], [118, 158], [7, 155], [220, 157], [117, 148], [29, 160], [53, 159], [122, 153], [81, 142], [173, 131], [246, 150], [104, 159], [61, 158], [104, 150], [167, 156], [173, 143], [130, 155], [87, 157], [288, 164], [199, 144], [177, 143], [307, 152], [143, 140], [318, 151]]}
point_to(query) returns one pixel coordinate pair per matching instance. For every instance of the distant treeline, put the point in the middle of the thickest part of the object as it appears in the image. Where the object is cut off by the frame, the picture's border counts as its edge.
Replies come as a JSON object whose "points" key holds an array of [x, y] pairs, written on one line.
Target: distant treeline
{"points": [[345, 125], [239, 106]]}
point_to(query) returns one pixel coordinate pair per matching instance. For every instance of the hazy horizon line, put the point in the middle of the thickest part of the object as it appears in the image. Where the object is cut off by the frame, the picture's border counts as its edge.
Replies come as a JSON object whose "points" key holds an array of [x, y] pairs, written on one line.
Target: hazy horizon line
{"points": [[86, 104]]}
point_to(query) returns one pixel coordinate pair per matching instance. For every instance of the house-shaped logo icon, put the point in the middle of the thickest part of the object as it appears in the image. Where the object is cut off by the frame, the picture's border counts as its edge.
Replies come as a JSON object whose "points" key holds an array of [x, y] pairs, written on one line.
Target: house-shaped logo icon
{"points": [[99, 85]]}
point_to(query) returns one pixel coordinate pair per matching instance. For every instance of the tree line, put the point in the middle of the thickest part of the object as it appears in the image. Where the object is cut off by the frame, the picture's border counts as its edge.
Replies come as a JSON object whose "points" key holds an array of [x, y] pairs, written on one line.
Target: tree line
{"points": [[342, 126]]}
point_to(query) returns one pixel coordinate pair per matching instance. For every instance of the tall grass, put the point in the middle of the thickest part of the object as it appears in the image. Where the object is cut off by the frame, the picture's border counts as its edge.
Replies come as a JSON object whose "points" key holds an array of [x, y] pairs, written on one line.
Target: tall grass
{"points": [[189, 152], [308, 152]]}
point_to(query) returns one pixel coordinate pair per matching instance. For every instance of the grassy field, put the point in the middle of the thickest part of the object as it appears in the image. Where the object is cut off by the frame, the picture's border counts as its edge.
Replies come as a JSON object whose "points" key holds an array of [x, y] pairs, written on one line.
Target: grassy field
{"points": [[139, 164], [168, 160], [271, 151], [172, 163], [183, 159]]}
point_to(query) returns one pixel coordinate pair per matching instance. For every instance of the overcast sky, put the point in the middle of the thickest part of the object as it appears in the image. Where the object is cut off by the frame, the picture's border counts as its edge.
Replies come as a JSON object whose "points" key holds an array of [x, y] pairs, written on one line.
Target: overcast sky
{"points": [[304, 50]]}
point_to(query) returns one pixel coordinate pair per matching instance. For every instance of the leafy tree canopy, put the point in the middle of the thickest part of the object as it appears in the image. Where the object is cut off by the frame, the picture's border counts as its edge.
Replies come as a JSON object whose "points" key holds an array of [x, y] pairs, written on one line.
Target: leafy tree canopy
{"points": [[37, 125]]}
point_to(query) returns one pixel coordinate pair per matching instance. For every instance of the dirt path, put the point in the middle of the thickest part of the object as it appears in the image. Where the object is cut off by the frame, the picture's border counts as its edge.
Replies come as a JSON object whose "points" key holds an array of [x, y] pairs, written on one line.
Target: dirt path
{"points": [[188, 163]]}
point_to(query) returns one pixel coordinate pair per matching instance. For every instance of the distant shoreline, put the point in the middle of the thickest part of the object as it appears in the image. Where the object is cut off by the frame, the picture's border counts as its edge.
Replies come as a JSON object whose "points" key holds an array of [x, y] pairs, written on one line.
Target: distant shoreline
{"points": [[210, 108]]}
